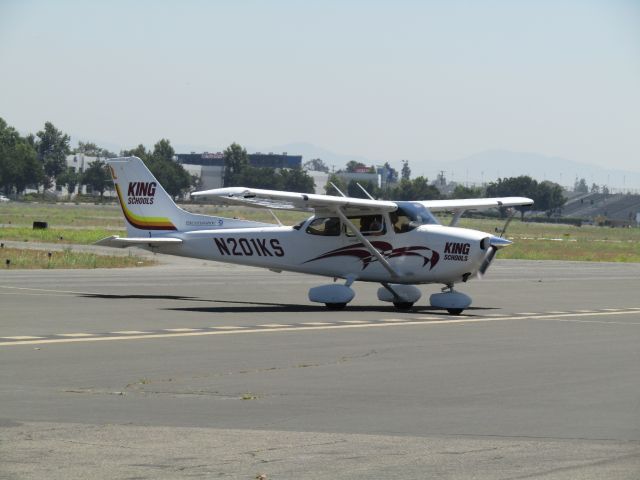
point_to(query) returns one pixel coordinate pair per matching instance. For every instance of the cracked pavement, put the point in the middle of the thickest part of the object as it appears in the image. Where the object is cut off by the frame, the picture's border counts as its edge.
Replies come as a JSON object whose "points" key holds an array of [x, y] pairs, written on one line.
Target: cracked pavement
{"points": [[543, 399]]}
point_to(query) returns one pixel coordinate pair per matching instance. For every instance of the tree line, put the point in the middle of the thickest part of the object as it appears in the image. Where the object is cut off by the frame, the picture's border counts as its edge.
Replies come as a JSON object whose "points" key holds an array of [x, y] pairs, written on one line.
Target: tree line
{"points": [[547, 196], [238, 172], [38, 160]]}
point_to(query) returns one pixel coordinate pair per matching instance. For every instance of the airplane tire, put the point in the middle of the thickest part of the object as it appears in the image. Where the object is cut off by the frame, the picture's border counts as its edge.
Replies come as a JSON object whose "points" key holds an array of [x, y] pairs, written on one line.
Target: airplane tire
{"points": [[403, 305], [335, 306], [455, 311]]}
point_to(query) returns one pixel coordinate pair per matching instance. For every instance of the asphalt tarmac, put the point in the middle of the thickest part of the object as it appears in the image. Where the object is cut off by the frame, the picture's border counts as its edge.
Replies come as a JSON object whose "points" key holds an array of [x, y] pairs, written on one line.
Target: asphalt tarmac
{"points": [[197, 369]]}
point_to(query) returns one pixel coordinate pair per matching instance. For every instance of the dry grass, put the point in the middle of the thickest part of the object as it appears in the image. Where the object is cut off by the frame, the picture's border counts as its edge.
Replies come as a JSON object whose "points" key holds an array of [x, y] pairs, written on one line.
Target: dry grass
{"points": [[541, 241], [85, 236], [109, 216], [33, 259], [85, 224], [61, 214]]}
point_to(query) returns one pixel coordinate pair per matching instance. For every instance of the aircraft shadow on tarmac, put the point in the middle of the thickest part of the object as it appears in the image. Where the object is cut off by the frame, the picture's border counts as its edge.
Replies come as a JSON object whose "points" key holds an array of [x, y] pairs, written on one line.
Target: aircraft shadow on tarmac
{"points": [[139, 297], [289, 308], [236, 306]]}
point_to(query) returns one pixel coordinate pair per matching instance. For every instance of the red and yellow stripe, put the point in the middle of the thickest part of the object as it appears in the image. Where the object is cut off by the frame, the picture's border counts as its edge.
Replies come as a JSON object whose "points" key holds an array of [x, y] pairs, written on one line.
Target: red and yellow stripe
{"points": [[143, 223]]}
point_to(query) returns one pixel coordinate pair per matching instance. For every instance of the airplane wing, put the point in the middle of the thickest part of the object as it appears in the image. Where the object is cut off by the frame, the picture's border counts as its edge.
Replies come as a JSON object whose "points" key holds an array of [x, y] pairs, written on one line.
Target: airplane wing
{"points": [[276, 199], [475, 203], [120, 242]]}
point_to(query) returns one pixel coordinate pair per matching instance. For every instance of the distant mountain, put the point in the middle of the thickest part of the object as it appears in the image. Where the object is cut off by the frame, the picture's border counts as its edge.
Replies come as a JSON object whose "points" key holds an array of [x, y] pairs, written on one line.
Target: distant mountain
{"points": [[480, 167], [492, 164]]}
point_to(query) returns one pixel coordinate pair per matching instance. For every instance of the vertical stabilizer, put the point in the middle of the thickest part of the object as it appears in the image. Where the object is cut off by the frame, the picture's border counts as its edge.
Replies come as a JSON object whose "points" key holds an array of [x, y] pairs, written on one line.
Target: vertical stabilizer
{"points": [[149, 210]]}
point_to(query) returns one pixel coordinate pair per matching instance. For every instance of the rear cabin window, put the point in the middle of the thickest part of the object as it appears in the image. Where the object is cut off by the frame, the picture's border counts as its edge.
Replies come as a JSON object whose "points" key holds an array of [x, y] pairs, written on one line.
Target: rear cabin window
{"points": [[325, 226], [368, 225]]}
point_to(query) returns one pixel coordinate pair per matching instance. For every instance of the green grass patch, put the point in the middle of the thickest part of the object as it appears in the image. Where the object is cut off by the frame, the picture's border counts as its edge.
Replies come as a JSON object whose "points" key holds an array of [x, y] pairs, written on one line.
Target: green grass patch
{"points": [[57, 235], [61, 214], [544, 241], [34, 259], [524, 230], [583, 251]]}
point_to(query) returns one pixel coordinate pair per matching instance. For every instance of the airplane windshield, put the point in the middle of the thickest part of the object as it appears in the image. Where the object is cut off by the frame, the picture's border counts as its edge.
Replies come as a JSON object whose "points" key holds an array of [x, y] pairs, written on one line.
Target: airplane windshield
{"points": [[411, 215]]}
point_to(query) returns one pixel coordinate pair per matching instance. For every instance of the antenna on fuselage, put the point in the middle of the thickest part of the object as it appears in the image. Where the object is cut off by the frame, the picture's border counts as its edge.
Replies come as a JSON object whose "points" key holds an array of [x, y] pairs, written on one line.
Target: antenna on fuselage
{"points": [[339, 191], [365, 191]]}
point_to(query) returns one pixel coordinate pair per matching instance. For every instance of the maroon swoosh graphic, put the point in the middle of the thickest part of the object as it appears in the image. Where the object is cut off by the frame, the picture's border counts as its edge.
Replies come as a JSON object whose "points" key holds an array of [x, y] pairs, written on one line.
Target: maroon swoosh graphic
{"points": [[358, 250]]}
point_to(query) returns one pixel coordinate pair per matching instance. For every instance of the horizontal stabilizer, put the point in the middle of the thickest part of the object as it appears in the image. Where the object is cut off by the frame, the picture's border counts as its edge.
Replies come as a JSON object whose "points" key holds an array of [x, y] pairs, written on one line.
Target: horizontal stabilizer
{"points": [[120, 242]]}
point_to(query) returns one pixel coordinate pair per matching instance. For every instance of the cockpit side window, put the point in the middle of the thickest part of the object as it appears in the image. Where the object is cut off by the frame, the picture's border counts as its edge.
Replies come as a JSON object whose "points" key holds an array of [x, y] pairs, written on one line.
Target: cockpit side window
{"points": [[325, 226], [367, 225], [410, 215], [401, 221]]}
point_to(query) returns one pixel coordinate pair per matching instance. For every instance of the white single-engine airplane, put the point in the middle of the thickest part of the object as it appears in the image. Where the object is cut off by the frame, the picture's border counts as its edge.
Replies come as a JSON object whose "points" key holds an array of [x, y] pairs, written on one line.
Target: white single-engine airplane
{"points": [[396, 244]]}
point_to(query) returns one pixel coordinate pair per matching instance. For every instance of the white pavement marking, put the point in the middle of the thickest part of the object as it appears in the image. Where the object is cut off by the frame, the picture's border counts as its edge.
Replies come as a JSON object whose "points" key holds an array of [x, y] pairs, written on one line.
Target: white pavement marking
{"points": [[527, 313], [47, 290], [361, 324], [355, 322], [130, 332], [585, 311], [610, 309], [229, 327], [317, 323], [589, 321], [35, 294], [394, 320], [274, 325], [558, 312], [181, 329], [21, 337], [73, 335]]}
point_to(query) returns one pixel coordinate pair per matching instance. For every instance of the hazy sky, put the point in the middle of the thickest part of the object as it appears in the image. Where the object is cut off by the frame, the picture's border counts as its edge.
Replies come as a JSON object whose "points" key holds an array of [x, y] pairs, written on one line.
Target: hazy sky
{"points": [[428, 80]]}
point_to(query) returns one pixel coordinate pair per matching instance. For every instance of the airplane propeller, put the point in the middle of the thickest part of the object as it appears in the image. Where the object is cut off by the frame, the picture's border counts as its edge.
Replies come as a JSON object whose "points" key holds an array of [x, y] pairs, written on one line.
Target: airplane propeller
{"points": [[495, 243]]}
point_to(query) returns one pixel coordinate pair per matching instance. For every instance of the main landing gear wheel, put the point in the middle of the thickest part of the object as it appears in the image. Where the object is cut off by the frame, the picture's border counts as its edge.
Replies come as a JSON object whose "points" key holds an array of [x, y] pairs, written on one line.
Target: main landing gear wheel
{"points": [[403, 305], [334, 296], [455, 311], [335, 306]]}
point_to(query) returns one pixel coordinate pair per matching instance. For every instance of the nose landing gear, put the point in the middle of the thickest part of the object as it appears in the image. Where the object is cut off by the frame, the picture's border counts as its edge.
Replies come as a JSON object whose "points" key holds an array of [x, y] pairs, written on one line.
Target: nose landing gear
{"points": [[452, 301]]}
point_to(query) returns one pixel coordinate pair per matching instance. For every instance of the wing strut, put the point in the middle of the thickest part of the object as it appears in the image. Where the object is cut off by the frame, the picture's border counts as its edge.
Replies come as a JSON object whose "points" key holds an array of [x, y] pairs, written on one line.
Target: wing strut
{"points": [[276, 217], [456, 217], [366, 242], [365, 192], [338, 190]]}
